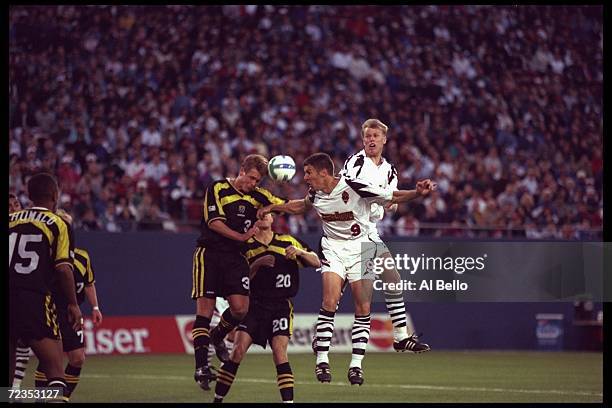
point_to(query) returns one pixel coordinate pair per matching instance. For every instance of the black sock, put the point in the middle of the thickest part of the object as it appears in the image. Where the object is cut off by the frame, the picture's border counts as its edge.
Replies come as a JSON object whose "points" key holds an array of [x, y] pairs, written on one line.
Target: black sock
{"points": [[225, 378], [226, 323], [284, 379], [72, 375], [201, 340], [40, 379]]}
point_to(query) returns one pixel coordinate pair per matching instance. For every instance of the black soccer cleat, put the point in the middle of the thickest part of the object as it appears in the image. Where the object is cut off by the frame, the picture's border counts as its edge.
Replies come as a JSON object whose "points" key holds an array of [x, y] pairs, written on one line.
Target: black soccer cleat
{"points": [[411, 344], [219, 343], [203, 376], [355, 376], [323, 372]]}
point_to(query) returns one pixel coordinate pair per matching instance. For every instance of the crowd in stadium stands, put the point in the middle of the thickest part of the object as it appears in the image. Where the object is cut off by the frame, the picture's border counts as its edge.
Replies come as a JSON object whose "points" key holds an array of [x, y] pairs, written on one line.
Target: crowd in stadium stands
{"points": [[137, 108]]}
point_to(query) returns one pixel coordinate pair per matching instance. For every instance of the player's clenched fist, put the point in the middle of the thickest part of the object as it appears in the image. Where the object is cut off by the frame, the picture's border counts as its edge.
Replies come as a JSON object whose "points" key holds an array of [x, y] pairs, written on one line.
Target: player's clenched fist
{"points": [[424, 187]]}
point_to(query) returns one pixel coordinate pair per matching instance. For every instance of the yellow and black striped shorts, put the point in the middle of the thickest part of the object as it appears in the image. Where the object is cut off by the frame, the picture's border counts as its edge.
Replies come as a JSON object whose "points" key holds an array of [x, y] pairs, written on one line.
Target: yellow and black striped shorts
{"points": [[33, 316], [218, 273]]}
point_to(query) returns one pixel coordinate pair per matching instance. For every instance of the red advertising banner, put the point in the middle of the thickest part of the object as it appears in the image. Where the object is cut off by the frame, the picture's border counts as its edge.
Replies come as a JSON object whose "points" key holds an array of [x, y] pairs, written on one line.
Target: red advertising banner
{"points": [[133, 335], [172, 334]]}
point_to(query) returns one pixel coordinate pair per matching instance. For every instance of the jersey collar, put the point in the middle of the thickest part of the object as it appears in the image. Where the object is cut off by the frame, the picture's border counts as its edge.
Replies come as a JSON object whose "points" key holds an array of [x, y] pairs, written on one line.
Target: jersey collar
{"points": [[382, 158]]}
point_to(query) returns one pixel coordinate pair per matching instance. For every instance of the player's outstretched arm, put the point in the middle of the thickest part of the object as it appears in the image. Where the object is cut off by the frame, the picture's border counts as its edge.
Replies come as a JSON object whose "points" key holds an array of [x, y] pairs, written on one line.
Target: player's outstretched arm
{"points": [[291, 207], [309, 258], [423, 188], [219, 227]]}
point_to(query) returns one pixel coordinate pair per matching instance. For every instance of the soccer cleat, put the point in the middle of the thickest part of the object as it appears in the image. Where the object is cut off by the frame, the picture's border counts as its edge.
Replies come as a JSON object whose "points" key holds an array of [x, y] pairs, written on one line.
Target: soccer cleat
{"points": [[203, 376], [411, 344], [323, 372], [355, 375], [220, 348]]}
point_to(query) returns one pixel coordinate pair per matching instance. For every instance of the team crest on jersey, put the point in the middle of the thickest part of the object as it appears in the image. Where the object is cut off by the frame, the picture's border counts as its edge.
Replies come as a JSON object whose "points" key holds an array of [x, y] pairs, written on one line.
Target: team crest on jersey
{"points": [[345, 197], [241, 209]]}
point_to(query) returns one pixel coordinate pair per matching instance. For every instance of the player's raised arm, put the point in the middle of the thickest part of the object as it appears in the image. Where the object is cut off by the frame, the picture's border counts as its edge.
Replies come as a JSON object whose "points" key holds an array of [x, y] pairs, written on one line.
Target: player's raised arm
{"points": [[294, 207], [423, 188]]}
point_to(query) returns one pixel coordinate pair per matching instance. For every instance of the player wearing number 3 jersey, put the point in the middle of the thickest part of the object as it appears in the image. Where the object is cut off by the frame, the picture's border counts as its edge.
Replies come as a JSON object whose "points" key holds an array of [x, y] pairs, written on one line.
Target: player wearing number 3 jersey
{"points": [[344, 207], [220, 267]]}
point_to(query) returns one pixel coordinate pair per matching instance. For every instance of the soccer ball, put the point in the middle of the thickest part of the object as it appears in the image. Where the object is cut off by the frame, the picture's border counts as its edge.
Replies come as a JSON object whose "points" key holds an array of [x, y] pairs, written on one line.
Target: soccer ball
{"points": [[281, 168]]}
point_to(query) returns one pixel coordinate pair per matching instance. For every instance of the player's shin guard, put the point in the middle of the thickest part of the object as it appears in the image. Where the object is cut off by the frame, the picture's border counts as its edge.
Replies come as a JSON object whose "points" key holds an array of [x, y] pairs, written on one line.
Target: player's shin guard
{"points": [[61, 384], [22, 356], [201, 340], [325, 329], [226, 323], [225, 378], [397, 313], [360, 337], [72, 375], [40, 378], [284, 379]]}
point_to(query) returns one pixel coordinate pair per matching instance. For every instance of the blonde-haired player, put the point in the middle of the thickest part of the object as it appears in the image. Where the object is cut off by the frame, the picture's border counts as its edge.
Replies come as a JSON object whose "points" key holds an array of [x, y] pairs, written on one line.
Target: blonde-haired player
{"points": [[370, 166]]}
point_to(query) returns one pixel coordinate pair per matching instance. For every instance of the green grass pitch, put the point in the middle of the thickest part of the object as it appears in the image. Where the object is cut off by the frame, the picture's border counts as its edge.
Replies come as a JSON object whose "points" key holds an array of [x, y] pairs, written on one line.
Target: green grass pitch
{"points": [[437, 376]]}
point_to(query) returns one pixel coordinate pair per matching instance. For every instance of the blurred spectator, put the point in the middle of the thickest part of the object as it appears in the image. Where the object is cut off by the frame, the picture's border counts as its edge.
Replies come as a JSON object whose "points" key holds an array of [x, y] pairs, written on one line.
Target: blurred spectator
{"points": [[502, 105]]}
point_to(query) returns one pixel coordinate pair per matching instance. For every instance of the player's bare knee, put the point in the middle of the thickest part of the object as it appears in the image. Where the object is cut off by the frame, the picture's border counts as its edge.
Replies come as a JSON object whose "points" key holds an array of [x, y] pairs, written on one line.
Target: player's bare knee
{"points": [[76, 358], [240, 313], [329, 304], [238, 353], [362, 309]]}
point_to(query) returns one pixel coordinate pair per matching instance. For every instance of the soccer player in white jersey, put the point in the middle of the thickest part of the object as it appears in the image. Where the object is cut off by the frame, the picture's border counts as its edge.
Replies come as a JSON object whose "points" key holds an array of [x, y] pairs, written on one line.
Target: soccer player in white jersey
{"points": [[369, 165], [344, 207]]}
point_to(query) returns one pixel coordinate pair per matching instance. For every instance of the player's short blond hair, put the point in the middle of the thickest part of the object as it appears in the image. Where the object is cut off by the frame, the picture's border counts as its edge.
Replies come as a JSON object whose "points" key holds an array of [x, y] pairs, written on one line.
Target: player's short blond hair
{"points": [[374, 124], [257, 162]]}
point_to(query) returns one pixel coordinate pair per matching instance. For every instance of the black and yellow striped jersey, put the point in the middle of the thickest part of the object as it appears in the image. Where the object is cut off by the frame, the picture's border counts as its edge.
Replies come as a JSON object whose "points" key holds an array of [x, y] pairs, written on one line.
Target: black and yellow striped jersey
{"points": [[283, 279], [238, 210], [83, 273], [39, 241]]}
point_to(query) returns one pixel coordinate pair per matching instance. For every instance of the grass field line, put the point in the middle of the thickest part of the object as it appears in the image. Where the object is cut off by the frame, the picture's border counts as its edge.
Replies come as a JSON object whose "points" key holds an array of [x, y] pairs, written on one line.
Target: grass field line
{"points": [[342, 384]]}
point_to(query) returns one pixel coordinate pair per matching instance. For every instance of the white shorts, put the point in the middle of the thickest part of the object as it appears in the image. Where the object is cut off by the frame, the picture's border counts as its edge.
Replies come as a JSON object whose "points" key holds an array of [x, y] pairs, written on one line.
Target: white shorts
{"points": [[350, 259], [381, 247], [220, 305]]}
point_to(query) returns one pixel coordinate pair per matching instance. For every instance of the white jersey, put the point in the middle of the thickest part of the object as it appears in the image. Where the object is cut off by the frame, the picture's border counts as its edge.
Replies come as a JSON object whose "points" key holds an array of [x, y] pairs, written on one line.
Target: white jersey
{"points": [[345, 211], [362, 168]]}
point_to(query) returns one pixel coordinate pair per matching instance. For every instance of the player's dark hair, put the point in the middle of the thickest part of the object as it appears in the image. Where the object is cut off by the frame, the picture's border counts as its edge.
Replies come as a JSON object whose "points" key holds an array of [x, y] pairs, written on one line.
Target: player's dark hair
{"points": [[320, 161], [42, 187], [257, 162]]}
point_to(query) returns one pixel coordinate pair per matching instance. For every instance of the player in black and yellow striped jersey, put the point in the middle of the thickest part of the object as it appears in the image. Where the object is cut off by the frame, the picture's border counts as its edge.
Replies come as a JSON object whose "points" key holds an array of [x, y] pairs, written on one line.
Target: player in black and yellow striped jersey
{"points": [[40, 260], [73, 341], [274, 261], [219, 264]]}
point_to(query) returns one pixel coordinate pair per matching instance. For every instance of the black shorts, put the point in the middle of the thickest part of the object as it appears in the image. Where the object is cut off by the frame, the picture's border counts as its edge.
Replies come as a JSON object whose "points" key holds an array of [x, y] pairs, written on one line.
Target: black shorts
{"points": [[71, 339], [32, 316], [268, 318], [217, 273]]}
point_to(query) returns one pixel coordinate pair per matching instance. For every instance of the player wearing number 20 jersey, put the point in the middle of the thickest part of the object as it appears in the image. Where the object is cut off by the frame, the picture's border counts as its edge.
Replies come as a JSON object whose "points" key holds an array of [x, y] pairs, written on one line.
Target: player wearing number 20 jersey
{"points": [[220, 268]]}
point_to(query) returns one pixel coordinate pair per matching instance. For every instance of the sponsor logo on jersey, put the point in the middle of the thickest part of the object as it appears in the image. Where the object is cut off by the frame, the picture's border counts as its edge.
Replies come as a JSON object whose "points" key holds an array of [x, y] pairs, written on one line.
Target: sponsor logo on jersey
{"points": [[345, 216]]}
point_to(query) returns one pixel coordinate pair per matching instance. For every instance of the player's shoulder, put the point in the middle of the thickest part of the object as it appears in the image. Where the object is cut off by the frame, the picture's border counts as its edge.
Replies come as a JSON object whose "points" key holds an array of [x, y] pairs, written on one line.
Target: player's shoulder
{"points": [[82, 252], [220, 183], [355, 159], [285, 238]]}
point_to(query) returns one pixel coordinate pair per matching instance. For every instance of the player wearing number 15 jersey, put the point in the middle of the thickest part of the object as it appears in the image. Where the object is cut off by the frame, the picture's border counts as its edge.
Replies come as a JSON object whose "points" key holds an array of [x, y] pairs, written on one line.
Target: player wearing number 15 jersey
{"points": [[274, 261], [220, 267]]}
